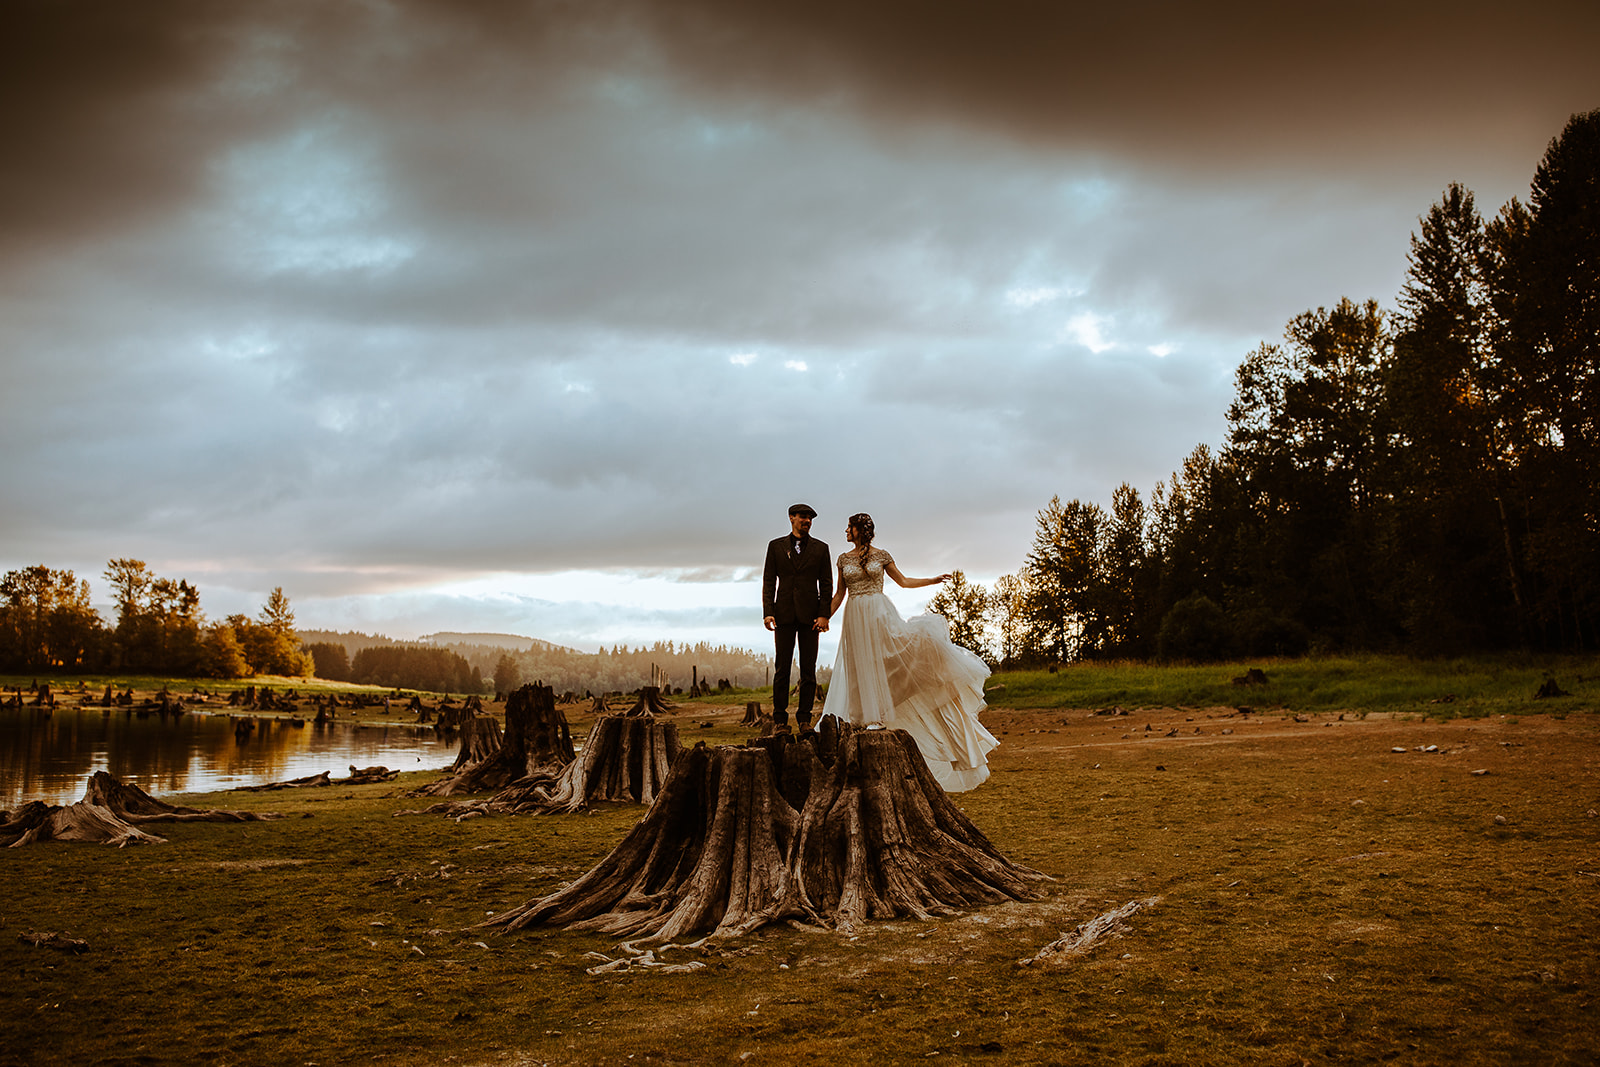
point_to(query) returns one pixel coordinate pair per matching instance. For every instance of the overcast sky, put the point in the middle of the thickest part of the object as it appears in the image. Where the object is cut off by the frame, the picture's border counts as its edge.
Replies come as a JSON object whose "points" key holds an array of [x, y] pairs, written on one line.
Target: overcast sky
{"points": [[536, 317]]}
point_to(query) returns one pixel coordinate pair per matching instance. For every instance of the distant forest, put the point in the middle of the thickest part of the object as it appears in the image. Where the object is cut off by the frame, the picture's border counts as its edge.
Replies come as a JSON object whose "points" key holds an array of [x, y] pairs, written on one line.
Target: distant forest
{"points": [[469, 666], [1419, 480], [47, 624]]}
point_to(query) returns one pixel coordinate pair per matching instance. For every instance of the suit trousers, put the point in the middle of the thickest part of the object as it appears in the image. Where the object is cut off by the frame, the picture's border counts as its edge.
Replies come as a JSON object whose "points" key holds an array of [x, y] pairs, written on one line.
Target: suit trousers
{"points": [[788, 636]]}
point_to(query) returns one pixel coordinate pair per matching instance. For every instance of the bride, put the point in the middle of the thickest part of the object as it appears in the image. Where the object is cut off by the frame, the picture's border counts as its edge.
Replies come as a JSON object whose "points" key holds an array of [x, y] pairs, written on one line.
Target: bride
{"points": [[906, 673]]}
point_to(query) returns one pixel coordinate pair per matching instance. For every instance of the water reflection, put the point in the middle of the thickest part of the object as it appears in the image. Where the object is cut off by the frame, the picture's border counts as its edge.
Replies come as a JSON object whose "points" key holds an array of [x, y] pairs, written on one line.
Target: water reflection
{"points": [[48, 756]]}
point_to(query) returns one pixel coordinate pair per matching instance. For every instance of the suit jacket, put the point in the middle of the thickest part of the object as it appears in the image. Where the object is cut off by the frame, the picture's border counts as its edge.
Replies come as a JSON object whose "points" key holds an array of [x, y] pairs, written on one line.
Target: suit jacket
{"points": [[797, 588]]}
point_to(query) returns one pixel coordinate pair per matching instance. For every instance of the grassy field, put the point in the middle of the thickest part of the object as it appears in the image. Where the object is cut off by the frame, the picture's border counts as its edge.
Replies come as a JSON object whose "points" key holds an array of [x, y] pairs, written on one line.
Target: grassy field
{"points": [[1471, 687], [1317, 898]]}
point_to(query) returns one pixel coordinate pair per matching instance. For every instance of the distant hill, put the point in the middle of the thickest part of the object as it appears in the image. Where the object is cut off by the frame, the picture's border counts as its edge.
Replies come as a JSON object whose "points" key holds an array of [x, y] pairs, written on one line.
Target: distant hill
{"points": [[514, 642]]}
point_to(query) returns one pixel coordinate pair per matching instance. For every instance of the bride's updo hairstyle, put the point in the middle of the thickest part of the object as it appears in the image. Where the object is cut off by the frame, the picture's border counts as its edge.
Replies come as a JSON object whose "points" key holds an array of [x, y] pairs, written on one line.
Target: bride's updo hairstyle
{"points": [[864, 530]]}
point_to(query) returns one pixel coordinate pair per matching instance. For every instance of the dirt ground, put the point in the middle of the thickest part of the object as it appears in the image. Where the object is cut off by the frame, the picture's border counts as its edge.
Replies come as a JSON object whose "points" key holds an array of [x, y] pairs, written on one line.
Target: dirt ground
{"points": [[1365, 889]]}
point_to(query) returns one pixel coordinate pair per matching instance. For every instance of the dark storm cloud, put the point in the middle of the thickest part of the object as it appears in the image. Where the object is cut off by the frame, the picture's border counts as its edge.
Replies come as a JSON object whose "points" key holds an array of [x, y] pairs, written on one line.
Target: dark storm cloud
{"points": [[372, 298], [1218, 85]]}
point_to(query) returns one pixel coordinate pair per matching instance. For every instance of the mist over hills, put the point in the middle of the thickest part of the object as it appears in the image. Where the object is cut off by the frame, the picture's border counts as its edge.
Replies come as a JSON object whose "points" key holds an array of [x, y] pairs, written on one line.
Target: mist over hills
{"points": [[512, 642], [500, 662]]}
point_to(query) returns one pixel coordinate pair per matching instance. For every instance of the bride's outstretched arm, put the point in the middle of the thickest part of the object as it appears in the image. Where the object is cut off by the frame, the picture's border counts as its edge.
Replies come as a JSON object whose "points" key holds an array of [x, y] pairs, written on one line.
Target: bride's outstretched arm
{"points": [[911, 583], [838, 591]]}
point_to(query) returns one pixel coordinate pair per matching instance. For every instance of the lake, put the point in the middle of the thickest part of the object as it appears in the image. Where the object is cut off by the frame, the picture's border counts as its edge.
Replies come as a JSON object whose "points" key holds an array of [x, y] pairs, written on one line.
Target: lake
{"points": [[50, 757]]}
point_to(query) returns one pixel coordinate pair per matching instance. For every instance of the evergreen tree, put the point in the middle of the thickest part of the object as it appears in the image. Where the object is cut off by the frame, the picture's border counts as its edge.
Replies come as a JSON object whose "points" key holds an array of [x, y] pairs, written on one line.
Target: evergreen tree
{"points": [[1545, 287]]}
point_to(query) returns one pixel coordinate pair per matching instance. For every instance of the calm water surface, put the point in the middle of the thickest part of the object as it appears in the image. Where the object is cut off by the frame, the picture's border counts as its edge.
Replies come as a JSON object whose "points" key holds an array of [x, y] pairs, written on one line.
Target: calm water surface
{"points": [[49, 757]]}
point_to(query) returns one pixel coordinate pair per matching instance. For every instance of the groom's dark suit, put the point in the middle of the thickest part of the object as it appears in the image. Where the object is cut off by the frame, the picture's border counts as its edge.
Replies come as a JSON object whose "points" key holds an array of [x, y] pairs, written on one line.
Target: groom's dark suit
{"points": [[796, 590]]}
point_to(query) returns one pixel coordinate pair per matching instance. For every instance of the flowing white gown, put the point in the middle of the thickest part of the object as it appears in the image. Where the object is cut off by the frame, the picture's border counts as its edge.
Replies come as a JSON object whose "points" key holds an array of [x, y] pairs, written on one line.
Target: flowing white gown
{"points": [[907, 674]]}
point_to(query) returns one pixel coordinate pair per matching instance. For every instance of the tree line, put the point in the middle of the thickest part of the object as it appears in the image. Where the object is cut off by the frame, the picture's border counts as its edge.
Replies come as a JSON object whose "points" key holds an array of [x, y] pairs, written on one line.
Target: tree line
{"points": [[474, 667], [1420, 479], [47, 624], [621, 668]]}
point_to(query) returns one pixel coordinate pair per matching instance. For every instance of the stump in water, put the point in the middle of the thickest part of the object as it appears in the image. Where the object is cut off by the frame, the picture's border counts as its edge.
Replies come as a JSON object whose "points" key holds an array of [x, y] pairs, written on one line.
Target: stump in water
{"points": [[110, 812], [835, 828], [537, 743], [649, 702]]}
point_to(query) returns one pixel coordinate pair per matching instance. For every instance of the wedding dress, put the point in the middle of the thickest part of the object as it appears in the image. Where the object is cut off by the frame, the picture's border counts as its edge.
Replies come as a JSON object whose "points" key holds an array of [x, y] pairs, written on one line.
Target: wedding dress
{"points": [[908, 675]]}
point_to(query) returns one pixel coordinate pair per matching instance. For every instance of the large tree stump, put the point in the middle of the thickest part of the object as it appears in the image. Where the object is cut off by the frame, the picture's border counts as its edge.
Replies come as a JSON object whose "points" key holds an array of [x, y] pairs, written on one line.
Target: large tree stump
{"points": [[835, 828], [537, 744]]}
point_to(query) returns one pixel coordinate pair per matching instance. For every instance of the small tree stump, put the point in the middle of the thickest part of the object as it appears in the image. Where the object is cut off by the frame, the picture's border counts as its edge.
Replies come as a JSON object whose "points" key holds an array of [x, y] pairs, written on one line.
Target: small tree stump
{"points": [[537, 743], [754, 716], [649, 702], [452, 716], [839, 827], [626, 758]]}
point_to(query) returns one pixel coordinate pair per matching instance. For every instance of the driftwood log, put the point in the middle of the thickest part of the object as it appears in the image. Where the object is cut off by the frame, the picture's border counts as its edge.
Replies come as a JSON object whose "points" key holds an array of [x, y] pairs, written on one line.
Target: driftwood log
{"points": [[310, 781], [835, 828], [368, 775], [537, 743], [111, 812]]}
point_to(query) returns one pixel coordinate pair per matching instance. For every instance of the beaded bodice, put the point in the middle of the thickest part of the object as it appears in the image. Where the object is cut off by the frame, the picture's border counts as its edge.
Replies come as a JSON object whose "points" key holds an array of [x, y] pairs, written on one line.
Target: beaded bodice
{"points": [[861, 579]]}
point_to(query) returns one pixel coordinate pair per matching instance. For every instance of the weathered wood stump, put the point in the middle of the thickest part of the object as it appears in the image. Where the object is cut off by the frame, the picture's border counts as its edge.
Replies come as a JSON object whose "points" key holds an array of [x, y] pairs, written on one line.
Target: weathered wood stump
{"points": [[111, 812], [836, 828], [754, 716], [481, 740], [537, 743], [452, 716], [369, 775], [626, 758], [649, 702], [310, 781]]}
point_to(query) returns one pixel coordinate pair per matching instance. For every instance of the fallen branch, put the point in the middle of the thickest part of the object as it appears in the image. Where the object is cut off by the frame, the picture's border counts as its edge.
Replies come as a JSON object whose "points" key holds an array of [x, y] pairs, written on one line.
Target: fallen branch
{"points": [[59, 942], [1078, 943]]}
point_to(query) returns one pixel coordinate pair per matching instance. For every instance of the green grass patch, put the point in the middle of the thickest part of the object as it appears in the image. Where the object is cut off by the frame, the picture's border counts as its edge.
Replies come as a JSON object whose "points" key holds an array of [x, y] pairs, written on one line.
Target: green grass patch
{"points": [[1470, 687]]}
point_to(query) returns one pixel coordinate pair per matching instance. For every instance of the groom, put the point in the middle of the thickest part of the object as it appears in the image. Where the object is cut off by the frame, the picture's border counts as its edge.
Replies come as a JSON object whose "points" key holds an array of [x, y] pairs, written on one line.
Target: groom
{"points": [[796, 596]]}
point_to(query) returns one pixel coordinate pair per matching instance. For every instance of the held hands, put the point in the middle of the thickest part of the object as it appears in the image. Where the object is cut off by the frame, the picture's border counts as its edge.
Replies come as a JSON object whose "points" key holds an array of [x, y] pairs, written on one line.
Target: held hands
{"points": [[820, 624]]}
